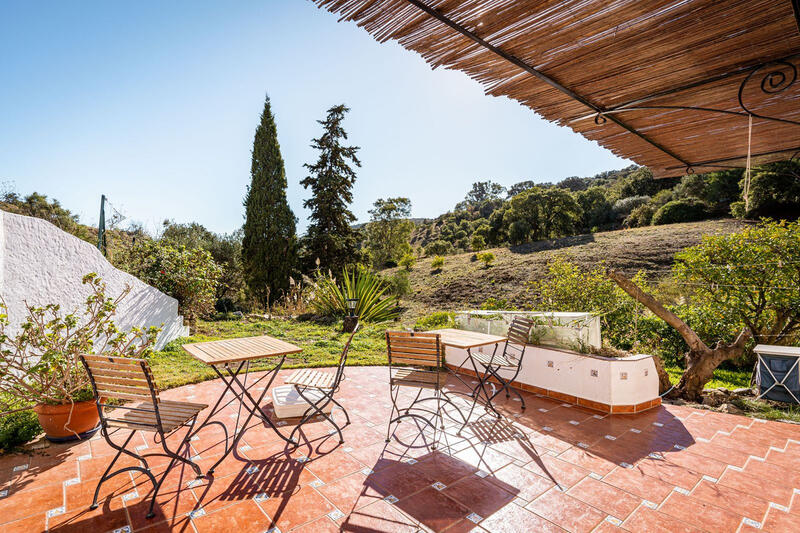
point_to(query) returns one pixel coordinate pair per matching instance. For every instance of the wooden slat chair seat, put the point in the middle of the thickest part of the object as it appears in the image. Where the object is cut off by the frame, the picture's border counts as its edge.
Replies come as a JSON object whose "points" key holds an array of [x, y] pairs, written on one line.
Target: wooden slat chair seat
{"points": [[416, 378], [417, 360], [142, 415], [308, 377], [494, 360], [131, 381]]}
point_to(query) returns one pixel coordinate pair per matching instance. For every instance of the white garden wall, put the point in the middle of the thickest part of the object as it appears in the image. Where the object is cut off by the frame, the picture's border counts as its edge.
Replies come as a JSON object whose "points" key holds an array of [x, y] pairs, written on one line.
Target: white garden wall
{"points": [[626, 384], [42, 264]]}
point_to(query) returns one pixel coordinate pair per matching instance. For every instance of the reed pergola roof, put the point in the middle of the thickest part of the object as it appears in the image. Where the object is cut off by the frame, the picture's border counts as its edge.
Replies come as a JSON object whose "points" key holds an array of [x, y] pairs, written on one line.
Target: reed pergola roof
{"points": [[668, 84]]}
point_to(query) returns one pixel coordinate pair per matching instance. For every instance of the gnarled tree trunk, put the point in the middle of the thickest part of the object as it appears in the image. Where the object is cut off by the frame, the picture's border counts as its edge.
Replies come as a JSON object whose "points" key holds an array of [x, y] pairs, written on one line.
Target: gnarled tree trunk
{"points": [[701, 361]]}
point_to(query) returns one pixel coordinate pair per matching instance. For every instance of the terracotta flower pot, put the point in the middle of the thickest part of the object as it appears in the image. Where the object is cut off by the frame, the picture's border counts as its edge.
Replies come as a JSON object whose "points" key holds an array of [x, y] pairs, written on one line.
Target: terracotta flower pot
{"points": [[53, 418]]}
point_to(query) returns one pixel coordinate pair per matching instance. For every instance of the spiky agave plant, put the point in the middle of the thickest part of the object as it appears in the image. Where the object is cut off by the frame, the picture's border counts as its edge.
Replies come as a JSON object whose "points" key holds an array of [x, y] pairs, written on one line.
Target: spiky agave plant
{"points": [[374, 304]]}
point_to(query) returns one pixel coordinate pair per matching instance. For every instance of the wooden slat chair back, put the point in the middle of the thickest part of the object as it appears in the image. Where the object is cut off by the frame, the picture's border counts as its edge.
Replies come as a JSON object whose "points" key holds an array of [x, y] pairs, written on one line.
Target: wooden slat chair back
{"points": [[414, 349], [518, 336], [131, 380], [423, 352]]}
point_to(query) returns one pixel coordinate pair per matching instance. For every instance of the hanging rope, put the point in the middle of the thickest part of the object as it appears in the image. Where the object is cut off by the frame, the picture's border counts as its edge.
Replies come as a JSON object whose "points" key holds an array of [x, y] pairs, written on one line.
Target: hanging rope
{"points": [[747, 168]]}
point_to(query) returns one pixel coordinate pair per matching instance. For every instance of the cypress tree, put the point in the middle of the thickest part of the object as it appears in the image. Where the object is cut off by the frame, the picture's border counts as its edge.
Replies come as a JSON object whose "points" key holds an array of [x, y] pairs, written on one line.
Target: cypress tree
{"points": [[331, 238], [269, 244]]}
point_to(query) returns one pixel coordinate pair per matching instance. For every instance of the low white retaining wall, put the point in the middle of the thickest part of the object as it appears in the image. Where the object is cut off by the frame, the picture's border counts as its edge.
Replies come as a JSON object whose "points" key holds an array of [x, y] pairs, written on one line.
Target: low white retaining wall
{"points": [[42, 264], [611, 385]]}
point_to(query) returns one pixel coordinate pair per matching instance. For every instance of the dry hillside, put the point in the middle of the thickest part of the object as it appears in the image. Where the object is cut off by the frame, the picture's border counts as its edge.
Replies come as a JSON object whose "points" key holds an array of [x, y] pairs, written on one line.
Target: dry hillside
{"points": [[464, 282]]}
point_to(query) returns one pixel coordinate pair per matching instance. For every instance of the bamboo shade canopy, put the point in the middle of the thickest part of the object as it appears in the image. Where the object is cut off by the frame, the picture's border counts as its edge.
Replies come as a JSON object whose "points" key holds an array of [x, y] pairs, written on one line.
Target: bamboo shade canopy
{"points": [[666, 83]]}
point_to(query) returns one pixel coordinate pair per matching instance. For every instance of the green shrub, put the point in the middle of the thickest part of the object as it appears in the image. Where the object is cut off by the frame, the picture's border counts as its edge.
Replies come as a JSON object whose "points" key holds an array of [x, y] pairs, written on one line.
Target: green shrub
{"points": [[478, 243], [487, 258], [18, 428], [375, 304], [437, 320], [437, 263], [399, 284], [686, 210], [625, 206], [738, 210], [408, 261], [497, 304], [640, 216], [190, 276], [439, 247]]}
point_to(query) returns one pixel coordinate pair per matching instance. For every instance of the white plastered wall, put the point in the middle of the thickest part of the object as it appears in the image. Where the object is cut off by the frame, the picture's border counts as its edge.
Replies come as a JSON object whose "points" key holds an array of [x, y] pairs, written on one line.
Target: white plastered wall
{"points": [[42, 264]]}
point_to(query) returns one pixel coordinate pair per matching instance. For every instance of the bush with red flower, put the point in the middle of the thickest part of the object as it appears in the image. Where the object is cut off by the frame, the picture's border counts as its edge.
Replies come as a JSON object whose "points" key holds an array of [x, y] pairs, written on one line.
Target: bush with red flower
{"points": [[190, 276]]}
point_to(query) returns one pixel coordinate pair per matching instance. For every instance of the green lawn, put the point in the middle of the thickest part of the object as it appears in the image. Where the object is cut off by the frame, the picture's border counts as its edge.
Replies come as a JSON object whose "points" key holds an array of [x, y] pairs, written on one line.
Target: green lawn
{"points": [[322, 345], [727, 379]]}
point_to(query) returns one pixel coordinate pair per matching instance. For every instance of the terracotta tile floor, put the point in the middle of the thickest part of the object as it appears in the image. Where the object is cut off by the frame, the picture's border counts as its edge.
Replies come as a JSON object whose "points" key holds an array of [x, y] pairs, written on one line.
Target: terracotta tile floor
{"points": [[553, 467]]}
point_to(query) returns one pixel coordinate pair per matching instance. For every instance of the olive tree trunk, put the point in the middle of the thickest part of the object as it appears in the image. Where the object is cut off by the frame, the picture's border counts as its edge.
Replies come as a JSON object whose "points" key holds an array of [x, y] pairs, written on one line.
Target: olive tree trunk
{"points": [[701, 360]]}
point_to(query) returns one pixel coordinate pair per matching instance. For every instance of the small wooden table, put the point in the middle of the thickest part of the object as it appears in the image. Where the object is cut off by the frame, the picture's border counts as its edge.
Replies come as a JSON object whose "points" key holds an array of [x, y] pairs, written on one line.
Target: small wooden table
{"points": [[467, 340], [228, 358]]}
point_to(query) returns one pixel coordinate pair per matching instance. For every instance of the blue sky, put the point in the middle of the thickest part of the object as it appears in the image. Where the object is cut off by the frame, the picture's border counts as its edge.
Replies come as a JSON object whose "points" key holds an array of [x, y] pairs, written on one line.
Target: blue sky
{"points": [[155, 104]]}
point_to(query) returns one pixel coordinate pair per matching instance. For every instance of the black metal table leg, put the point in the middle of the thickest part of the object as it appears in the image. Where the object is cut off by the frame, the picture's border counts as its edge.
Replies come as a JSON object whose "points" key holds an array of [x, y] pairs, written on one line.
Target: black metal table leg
{"points": [[243, 396]]}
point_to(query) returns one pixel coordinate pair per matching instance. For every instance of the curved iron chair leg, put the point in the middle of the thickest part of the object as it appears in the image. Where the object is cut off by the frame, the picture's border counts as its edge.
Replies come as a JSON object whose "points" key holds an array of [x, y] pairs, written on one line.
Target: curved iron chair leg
{"points": [[396, 391], [346, 416], [157, 487], [177, 456], [120, 450], [317, 408], [308, 415], [447, 400]]}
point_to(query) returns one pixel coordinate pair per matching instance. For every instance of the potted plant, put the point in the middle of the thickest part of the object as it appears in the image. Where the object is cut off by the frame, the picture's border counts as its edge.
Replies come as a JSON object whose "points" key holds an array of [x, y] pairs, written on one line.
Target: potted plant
{"points": [[39, 364]]}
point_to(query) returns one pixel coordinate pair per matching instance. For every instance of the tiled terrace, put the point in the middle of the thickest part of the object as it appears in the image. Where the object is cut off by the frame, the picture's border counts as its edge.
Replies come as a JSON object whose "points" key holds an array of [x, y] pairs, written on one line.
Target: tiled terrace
{"points": [[555, 467]]}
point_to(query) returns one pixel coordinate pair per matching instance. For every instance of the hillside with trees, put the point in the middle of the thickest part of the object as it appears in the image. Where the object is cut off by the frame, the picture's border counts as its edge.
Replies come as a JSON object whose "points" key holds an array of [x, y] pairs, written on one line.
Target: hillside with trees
{"points": [[491, 215]]}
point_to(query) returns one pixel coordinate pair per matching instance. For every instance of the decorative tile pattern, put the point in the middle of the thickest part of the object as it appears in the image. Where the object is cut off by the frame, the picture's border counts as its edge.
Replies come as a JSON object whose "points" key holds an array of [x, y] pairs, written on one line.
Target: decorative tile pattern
{"points": [[55, 512], [474, 518], [752, 523], [197, 513], [669, 467], [336, 514]]}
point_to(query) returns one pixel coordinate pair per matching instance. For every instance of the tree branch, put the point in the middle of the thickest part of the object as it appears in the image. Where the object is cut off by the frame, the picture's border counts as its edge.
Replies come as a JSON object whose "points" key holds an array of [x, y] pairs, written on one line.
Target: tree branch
{"points": [[694, 342]]}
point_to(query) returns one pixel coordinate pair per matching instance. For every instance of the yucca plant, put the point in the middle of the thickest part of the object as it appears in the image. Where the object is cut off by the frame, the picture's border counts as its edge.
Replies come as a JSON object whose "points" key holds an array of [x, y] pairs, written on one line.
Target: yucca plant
{"points": [[374, 304]]}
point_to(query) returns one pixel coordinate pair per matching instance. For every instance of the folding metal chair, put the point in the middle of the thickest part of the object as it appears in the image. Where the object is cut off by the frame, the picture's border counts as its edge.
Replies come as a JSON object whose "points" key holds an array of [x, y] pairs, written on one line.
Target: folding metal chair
{"points": [[424, 353], [325, 385], [780, 387], [131, 380], [510, 360]]}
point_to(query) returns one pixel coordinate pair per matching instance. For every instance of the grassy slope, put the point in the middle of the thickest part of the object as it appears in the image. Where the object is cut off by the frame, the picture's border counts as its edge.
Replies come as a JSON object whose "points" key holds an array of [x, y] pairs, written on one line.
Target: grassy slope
{"points": [[463, 283]]}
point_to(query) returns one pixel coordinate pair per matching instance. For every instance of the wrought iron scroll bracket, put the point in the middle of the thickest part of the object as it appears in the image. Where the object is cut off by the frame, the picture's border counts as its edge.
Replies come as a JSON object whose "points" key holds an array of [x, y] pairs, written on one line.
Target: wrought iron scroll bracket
{"points": [[777, 77]]}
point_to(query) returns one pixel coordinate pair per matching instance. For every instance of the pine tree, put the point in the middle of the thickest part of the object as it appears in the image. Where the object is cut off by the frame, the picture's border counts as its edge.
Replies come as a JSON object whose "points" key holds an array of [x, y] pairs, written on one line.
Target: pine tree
{"points": [[331, 240], [269, 245]]}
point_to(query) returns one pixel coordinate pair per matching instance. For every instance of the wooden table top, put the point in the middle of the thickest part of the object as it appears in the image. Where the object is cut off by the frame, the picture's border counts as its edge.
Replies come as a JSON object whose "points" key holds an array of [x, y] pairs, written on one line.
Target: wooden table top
{"points": [[459, 338], [240, 349]]}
